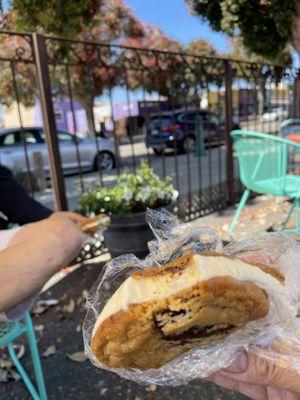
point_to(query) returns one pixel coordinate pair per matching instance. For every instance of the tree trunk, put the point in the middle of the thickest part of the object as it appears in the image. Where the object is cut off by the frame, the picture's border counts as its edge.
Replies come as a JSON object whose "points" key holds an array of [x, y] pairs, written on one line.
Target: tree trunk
{"points": [[88, 108], [296, 30], [295, 106], [294, 111], [261, 96]]}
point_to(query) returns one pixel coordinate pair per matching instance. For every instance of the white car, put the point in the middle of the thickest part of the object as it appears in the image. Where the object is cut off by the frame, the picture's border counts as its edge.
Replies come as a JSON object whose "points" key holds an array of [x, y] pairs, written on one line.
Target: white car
{"points": [[274, 115], [12, 153]]}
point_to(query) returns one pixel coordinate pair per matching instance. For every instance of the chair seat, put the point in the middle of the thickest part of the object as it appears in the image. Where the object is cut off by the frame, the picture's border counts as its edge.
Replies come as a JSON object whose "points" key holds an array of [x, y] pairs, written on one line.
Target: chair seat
{"points": [[9, 331], [291, 187], [6, 327], [294, 137]]}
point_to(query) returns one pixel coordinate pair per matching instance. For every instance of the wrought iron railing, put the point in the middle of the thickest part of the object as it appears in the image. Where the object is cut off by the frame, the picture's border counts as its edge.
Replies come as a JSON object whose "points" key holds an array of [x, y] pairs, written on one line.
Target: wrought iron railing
{"points": [[225, 93]]}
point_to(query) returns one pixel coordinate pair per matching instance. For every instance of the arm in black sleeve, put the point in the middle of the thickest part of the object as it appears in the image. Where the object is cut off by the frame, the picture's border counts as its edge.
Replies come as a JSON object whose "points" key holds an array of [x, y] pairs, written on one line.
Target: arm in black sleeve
{"points": [[16, 204]]}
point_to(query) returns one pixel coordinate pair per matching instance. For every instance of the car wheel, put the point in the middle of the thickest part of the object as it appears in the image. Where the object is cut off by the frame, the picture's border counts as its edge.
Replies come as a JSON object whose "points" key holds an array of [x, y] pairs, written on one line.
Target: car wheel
{"points": [[189, 144], [105, 160]]}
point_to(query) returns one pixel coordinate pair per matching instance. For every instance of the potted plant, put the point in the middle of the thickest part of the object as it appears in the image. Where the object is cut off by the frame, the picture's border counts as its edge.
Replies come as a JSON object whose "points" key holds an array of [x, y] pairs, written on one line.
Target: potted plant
{"points": [[126, 204]]}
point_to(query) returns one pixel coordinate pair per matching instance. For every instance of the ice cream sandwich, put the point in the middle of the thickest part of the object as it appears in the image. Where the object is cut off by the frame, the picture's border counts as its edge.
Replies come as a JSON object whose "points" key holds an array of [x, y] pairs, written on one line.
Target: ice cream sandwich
{"points": [[161, 312]]}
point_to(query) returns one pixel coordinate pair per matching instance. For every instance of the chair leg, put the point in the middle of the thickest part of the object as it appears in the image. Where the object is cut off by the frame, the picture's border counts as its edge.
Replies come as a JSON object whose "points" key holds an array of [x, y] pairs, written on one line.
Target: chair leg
{"points": [[35, 357], [22, 372], [283, 225], [238, 211], [297, 215]]}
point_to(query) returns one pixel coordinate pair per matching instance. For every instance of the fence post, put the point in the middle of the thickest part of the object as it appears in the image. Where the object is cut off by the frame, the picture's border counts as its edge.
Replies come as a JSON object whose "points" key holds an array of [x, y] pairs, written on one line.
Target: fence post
{"points": [[45, 96], [229, 146]]}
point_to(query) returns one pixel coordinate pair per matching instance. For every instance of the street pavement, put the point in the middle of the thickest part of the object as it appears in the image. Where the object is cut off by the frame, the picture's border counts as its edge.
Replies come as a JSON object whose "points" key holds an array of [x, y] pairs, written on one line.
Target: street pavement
{"points": [[188, 172]]}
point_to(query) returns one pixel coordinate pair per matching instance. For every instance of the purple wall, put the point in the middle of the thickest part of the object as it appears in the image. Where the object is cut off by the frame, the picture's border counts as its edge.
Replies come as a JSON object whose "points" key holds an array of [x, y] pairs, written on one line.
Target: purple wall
{"points": [[63, 116], [123, 110]]}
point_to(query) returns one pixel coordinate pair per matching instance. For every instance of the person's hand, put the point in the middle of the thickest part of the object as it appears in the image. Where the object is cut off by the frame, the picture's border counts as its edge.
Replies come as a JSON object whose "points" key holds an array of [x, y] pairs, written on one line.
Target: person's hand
{"points": [[69, 214], [58, 237], [259, 378]]}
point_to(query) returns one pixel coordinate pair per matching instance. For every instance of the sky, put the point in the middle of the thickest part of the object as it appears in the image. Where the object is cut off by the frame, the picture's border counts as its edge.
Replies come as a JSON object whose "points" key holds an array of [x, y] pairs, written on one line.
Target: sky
{"points": [[174, 18]]}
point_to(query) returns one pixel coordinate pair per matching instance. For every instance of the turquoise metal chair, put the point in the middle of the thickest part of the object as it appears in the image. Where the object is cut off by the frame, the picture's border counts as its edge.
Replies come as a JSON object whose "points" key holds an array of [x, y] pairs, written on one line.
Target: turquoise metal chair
{"points": [[9, 331], [264, 169], [290, 129]]}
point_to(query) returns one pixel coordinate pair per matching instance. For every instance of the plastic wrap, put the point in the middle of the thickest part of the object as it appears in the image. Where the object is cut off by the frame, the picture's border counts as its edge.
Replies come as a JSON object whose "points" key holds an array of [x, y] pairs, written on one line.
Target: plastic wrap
{"points": [[276, 337]]}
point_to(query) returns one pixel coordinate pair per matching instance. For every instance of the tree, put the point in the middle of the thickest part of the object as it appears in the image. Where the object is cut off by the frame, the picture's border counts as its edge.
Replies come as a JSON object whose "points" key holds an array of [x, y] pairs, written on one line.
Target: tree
{"points": [[156, 71], [262, 73], [201, 47], [108, 21], [177, 72], [267, 28]]}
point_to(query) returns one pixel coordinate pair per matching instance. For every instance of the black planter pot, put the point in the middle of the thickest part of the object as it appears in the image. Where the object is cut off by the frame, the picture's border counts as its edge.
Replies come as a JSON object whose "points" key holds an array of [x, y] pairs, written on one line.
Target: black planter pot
{"points": [[130, 234]]}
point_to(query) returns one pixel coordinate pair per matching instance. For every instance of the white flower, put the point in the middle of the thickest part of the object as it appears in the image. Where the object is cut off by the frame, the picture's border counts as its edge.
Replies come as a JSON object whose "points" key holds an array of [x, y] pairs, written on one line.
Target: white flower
{"points": [[143, 195], [128, 195], [106, 198], [145, 192]]}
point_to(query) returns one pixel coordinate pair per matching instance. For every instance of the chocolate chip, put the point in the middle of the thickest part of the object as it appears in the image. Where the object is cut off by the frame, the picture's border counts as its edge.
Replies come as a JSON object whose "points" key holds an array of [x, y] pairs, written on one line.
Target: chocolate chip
{"points": [[197, 332]]}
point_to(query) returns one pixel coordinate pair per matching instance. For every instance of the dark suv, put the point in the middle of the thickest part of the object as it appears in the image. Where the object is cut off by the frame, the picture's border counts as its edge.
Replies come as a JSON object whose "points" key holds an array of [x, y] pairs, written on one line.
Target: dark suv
{"points": [[177, 130]]}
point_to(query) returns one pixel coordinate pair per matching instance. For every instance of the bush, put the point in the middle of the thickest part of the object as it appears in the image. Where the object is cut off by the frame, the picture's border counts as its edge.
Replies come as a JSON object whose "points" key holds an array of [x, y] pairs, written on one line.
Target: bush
{"points": [[133, 193]]}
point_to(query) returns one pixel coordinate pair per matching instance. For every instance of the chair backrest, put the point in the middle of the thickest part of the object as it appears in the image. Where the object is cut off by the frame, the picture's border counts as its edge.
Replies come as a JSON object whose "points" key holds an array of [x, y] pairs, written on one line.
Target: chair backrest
{"points": [[289, 126], [262, 161]]}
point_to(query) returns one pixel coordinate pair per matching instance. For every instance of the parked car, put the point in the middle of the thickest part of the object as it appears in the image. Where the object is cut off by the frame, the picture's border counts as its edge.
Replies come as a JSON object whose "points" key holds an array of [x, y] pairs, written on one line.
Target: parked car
{"points": [[12, 153], [274, 115], [177, 130]]}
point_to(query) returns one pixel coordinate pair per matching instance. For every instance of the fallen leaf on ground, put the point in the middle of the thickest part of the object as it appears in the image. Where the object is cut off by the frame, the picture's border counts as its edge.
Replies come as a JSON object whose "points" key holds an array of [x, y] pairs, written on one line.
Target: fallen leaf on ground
{"points": [[49, 351], [6, 364], [79, 356], [151, 388], [69, 308], [43, 305], [3, 375], [78, 301], [20, 350], [39, 328], [14, 375], [225, 227], [103, 391]]}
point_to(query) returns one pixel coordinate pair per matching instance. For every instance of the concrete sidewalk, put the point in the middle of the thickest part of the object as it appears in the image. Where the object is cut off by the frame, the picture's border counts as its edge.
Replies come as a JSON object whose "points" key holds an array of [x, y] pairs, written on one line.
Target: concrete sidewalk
{"points": [[260, 214]]}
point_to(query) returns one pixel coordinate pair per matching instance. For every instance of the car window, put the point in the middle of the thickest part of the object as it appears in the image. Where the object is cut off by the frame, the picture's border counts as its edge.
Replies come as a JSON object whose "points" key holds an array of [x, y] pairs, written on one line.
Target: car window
{"points": [[15, 138], [29, 137], [212, 118], [159, 122], [190, 117], [64, 137], [8, 140]]}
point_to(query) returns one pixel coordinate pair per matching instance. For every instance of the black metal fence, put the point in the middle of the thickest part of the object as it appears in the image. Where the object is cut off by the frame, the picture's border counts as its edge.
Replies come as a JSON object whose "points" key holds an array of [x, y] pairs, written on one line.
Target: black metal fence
{"points": [[123, 104]]}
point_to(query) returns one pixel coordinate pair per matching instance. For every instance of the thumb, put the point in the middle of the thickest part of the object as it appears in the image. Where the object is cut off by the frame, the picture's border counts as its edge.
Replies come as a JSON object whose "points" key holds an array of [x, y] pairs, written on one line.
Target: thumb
{"points": [[251, 368]]}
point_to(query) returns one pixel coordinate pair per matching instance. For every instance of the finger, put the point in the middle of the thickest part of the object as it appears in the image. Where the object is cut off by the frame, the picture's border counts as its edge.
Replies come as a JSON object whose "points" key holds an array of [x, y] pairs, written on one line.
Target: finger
{"points": [[278, 394], [257, 370], [254, 391], [71, 215]]}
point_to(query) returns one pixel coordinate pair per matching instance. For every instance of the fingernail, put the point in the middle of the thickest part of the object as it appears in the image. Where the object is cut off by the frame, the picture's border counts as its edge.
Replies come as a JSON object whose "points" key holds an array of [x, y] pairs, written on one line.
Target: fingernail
{"points": [[239, 366]]}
